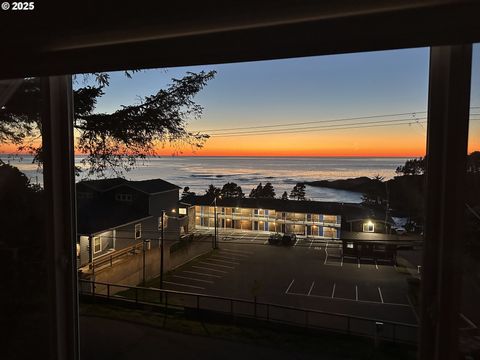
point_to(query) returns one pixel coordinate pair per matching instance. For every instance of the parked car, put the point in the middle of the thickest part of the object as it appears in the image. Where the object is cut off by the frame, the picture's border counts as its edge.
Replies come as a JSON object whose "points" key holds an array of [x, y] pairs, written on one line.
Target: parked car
{"points": [[400, 231], [275, 239], [289, 239]]}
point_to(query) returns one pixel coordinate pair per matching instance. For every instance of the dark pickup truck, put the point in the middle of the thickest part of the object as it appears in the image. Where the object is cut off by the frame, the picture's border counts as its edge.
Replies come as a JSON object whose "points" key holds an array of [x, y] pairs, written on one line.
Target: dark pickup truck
{"points": [[285, 239]]}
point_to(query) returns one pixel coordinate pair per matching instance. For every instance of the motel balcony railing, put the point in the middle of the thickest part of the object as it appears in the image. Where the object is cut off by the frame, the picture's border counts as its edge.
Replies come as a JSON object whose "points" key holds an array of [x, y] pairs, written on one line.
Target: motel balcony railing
{"points": [[274, 219]]}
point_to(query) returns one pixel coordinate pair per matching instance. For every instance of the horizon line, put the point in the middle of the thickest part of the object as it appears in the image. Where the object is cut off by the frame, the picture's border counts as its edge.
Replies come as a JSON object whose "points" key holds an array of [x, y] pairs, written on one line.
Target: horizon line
{"points": [[239, 156]]}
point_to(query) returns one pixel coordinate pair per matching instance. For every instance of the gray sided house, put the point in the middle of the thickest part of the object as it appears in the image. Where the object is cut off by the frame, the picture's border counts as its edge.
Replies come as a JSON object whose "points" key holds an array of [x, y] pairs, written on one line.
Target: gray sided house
{"points": [[114, 214]]}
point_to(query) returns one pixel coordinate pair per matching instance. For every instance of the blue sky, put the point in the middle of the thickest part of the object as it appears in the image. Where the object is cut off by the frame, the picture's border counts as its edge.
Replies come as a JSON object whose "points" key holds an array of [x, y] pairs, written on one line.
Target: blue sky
{"points": [[301, 89]]}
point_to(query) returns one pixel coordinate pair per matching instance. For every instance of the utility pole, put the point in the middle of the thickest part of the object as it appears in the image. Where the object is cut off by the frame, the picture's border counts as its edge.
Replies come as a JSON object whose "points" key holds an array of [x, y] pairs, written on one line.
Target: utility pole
{"points": [[388, 205], [144, 279], [161, 249], [215, 223]]}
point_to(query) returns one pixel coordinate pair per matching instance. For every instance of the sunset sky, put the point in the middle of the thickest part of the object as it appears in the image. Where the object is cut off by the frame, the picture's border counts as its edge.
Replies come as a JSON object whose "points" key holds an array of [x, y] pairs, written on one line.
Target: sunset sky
{"points": [[248, 105]]}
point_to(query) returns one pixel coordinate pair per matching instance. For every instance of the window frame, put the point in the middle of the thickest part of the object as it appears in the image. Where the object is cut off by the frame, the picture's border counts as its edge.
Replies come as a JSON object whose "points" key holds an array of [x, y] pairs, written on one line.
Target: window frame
{"points": [[94, 245], [139, 226]]}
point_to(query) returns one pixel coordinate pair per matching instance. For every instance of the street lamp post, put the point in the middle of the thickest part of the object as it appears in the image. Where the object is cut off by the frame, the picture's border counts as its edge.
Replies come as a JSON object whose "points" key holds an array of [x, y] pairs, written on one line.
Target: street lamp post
{"points": [[215, 223]]}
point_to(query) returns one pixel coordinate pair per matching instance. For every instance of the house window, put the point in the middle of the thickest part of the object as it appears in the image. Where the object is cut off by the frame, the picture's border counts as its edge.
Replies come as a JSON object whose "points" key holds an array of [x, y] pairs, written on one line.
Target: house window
{"points": [[369, 227], [97, 244], [349, 245], [84, 195], [309, 217], [123, 197], [138, 231], [182, 211]]}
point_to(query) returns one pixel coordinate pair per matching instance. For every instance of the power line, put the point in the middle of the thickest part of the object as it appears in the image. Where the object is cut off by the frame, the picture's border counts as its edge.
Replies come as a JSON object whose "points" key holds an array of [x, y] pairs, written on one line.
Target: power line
{"points": [[338, 127], [319, 130], [273, 131], [316, 121], [412, 113]]}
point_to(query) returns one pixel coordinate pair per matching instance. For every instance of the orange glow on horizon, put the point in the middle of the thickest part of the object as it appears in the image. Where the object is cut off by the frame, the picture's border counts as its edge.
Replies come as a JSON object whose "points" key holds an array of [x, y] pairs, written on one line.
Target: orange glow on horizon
{"points": [[405, 142]]}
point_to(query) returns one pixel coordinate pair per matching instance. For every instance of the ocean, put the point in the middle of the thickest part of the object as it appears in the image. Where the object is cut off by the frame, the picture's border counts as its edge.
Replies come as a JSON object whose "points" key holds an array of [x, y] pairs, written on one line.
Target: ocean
{"points": [[283, 172]]}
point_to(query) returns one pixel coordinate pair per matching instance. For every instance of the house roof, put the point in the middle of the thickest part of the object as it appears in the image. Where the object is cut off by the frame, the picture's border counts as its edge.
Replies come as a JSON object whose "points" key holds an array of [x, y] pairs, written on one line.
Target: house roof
{"points": [[98, 215], [103, 184], [152, 186]]}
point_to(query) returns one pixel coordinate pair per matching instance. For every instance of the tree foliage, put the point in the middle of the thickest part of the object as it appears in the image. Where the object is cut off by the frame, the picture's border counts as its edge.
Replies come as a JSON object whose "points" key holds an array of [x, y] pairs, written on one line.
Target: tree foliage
{"points": [[412, 167], [473, 162], [375, 194], [187, 193], [111, 142], [261, 191], [298, 192], [212, 192], [285, 196], [232, 191]]}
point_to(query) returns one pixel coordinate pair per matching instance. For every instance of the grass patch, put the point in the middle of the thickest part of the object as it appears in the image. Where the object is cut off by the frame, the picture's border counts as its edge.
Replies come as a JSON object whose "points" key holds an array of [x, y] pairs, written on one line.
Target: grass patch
{"points": [[326, 345]]}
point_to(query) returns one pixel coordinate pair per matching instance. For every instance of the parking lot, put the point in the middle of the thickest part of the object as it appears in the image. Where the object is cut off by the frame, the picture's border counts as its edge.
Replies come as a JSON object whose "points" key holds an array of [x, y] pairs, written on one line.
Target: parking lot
{"points": [[310, 274], [202, 274]]}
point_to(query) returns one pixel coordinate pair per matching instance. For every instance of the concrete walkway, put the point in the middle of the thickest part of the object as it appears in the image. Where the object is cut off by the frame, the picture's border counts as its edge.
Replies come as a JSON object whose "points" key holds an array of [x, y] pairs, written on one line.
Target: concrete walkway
{"points": [[105, 339]]}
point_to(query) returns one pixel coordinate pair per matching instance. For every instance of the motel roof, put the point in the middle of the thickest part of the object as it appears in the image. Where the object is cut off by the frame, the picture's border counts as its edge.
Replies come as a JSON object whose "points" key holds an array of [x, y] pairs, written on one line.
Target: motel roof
{"points": [[298, 206]]}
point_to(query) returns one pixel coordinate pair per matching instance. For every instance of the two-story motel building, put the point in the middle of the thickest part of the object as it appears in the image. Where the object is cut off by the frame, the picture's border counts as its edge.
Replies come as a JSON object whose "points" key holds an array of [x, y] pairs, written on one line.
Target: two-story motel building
{"points": [[264, 215]]}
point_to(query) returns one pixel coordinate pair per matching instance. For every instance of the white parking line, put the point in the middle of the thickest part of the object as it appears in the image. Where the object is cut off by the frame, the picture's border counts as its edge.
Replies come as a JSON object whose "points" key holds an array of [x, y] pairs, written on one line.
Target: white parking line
{"points": [[265, 242], [311, 242], [224, 261], [193, 279], [380, 293], [326, 254], [289, 286], [243, 253], [296, 241], [351, 300], [341, 264], [356, 293], [190, 286], [205, 268], [358, 260], [311, 288], [237, 256], [212, 264], [376, 265], [333, 290], [202, 274], [224, 257]]}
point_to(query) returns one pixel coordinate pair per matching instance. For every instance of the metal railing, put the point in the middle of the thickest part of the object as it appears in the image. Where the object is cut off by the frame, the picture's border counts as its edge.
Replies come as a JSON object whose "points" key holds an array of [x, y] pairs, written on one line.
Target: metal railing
{"points": [[242, 308], [108, 259]]}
